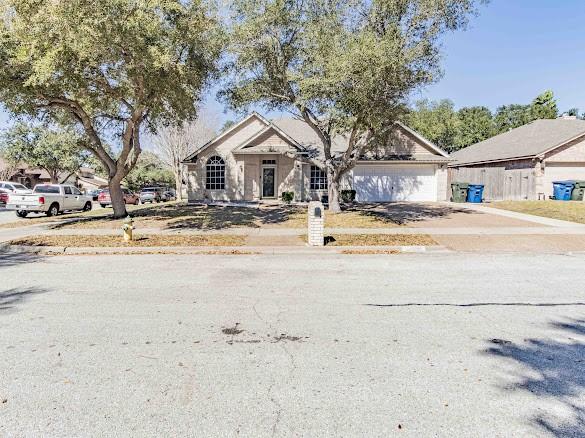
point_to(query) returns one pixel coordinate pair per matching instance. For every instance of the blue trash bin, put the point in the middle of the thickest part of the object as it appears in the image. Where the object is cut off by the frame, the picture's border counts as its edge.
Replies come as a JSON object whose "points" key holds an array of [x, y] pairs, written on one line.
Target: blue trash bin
{"points": [[562, 190], [475, 193]]}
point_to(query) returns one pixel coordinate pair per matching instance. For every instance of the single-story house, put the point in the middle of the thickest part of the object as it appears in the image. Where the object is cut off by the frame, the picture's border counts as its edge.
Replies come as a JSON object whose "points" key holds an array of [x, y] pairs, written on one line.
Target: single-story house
{"points": [[87, 180], [523, 162], [260, 159]]}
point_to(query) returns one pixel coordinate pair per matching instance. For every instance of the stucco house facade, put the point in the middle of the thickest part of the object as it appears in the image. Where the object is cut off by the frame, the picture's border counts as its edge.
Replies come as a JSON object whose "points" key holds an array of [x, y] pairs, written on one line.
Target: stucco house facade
{"points": [[259, 159], [522, 163]]}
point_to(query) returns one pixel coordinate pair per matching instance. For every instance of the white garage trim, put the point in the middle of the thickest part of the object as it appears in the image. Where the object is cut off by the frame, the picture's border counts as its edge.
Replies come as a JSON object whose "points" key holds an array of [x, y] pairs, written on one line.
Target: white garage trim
{"points": [[389, 183], [560, 172]]}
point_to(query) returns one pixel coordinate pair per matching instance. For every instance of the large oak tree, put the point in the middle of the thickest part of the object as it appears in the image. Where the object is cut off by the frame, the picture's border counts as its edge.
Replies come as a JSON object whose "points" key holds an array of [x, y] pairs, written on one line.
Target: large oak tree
{"points": [[109, 68], [60, 152], [344, 67]]}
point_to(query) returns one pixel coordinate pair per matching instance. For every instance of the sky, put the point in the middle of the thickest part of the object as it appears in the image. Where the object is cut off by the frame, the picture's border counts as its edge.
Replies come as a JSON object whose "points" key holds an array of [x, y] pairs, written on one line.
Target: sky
{"points": [[511, 52]]}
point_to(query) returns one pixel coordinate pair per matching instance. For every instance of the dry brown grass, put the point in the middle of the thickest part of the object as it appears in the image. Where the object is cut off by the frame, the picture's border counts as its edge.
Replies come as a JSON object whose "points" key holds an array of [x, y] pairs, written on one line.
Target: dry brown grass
{"points": [[572, 211], [203, 217], [380, 240], [159, 252], [369, 251], [140, 241]]}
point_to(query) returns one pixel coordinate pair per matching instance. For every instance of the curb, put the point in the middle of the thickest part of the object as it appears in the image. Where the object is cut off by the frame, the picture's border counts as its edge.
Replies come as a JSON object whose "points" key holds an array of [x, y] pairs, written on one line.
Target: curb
{"points": [[225, 250]]}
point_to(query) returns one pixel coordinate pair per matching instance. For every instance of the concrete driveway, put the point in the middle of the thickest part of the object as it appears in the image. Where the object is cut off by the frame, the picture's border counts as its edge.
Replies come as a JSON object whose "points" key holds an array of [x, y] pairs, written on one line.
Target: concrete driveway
{"points": [[443, 215], [297, 345]]}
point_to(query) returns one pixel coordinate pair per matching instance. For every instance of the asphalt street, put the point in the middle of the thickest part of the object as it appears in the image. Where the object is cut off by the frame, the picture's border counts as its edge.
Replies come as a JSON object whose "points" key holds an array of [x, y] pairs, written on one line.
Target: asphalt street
{"points": [[339, 345]]}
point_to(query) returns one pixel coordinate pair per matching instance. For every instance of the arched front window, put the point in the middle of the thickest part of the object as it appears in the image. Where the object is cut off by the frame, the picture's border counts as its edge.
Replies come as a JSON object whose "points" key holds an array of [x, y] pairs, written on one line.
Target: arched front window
{"points": [[215, 173]]}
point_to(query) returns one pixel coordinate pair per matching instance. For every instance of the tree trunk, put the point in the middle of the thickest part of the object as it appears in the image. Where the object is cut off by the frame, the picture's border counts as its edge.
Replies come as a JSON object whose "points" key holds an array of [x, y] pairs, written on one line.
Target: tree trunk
{"points": [[117, 198], [179, 184], [54, 177], [333, 192]]}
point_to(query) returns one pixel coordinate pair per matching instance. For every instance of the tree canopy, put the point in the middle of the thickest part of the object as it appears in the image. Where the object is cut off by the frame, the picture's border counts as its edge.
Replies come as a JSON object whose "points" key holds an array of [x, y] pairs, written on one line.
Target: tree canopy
{"points": [[344, 67], [107, 68], [55, 150], [453, 130]]}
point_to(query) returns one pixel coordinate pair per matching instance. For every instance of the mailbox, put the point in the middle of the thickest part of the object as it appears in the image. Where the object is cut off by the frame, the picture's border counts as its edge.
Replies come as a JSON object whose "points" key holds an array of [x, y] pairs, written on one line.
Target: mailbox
{"points": [[316, 223]]}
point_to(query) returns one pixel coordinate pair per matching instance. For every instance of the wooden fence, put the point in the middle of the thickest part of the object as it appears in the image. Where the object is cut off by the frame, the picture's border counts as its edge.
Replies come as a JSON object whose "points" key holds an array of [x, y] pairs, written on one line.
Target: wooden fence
{"points": [[499, 183]]}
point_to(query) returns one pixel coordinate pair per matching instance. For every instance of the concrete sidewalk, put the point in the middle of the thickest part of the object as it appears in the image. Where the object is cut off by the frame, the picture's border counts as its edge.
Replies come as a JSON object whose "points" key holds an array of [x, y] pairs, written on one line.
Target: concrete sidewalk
{"points": [[280, 232], [521, 216]]}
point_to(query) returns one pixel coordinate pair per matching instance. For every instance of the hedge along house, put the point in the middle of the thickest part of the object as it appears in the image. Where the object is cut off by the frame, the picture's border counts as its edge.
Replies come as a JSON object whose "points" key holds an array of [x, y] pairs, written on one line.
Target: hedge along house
{"points": [[523, 162], [259, 159]]}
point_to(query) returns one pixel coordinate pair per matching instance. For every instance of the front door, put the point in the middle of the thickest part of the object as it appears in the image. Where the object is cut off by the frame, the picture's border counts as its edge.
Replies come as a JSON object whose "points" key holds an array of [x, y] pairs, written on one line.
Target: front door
{"points": [[268, 182]]}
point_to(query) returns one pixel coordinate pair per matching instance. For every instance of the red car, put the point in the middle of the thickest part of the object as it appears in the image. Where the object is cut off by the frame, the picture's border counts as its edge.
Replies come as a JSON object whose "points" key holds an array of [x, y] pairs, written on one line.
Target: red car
{"points": [[3, 197], [129, 198]]}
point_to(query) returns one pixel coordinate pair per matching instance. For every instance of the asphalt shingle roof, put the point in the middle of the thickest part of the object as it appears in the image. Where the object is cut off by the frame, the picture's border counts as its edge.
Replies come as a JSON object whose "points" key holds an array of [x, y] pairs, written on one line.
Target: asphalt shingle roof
{"points": [[529, 140]]}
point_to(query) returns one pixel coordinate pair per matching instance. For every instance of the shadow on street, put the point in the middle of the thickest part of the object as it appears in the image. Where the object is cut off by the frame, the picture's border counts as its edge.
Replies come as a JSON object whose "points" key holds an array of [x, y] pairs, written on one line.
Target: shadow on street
{"points": [[552, 370]]}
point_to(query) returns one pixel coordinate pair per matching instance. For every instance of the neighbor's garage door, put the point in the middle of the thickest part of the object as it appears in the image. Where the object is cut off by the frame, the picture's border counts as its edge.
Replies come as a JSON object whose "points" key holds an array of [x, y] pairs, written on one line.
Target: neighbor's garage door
{"points": [[561, 172], [376, 183]]}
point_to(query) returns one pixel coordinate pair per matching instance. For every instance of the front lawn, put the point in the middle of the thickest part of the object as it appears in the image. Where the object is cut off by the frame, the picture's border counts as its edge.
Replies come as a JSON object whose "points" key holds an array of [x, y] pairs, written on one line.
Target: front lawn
{"points": [[203, 217], [572, 211], [93, 241], [380, 240]]}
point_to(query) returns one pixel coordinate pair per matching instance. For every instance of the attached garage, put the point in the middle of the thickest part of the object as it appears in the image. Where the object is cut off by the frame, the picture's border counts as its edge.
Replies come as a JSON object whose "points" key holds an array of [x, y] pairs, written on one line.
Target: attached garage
{"points": [[554, 171], [390, 183]]}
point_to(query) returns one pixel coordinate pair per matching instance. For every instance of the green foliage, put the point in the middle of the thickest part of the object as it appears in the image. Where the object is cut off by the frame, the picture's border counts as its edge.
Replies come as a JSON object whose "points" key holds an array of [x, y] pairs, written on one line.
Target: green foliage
{"points": [[344, 67], [544, 106], [348, 196], [475, 124], [149, 170], [453, 130], [107, 68], [512, 116], [58, 151], [436, 121], [288, 197]]}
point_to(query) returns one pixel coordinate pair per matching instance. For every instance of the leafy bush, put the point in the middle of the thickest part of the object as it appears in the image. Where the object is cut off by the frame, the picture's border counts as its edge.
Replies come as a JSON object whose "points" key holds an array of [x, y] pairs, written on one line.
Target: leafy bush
{"points": [[288, 197], [348, 196]]}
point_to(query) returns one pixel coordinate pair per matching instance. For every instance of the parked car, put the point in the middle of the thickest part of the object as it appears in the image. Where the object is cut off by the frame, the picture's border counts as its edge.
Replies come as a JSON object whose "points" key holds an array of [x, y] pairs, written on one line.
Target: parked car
{"points": [[3, 197], [13, 187], [94, 194], [50, 199], [169, 195], [129, 197], [151, 194]]}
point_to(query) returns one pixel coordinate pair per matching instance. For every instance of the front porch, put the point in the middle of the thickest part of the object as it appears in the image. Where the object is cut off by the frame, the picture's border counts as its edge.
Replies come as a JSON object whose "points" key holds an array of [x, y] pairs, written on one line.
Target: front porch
{"points": [[266, 176]]}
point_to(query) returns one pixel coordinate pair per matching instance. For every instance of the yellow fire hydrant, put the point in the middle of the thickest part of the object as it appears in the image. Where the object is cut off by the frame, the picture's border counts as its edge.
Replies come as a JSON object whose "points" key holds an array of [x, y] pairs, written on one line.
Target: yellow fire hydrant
{"points": [[127, 228]]}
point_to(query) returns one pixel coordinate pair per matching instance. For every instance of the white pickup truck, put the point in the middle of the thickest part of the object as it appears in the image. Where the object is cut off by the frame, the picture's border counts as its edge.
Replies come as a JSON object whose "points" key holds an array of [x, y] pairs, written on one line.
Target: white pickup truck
{"points": [[50, 199]]}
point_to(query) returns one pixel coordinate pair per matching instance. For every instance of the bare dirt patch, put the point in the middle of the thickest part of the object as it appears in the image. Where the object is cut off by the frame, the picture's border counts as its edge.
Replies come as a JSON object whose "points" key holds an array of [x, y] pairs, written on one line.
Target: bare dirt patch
{"points": [[140, 241]]}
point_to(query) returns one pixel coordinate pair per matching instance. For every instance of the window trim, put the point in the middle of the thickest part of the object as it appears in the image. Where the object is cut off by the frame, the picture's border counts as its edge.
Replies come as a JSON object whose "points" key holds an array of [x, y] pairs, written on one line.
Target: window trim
{"points": [[317, 178], [215, 181]]}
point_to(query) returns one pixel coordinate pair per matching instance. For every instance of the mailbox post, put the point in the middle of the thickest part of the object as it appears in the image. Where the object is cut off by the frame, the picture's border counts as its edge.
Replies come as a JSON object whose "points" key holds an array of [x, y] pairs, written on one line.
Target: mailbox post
{"points": [[316, 223]]}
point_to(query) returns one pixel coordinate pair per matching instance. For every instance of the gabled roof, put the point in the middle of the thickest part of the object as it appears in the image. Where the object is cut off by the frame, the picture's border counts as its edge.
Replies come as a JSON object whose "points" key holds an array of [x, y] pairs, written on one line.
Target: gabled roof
{"points": [[302, 137], [528, 141]]}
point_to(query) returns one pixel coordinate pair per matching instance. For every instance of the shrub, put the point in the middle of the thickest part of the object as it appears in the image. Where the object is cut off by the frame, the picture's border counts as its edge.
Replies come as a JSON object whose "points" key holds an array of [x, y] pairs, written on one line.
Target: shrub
{"points": [[288, 197], [348, 196]]}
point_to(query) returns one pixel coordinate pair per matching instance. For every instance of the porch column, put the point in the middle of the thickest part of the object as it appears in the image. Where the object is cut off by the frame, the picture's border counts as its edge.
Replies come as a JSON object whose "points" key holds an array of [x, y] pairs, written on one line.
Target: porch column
{"points": [[299, 183]]}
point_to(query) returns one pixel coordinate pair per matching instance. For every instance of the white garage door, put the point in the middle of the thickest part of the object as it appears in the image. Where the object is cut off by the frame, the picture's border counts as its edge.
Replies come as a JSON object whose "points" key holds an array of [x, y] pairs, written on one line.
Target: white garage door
{"points": [[395, 183], [561, 172]]}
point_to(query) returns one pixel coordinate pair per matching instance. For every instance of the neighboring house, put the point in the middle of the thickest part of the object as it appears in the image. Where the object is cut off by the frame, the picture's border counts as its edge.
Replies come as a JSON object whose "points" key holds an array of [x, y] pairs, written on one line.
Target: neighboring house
{"points": [[30, 177], [87, 180], [523, 162], [260, 159]]}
